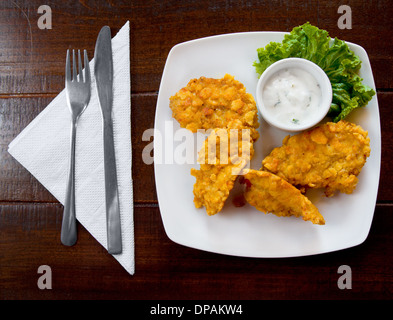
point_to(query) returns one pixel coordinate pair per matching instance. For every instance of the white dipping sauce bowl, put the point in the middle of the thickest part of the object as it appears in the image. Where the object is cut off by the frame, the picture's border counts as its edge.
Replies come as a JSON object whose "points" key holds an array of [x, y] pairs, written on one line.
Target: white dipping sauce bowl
{"points": [[319, 75]]}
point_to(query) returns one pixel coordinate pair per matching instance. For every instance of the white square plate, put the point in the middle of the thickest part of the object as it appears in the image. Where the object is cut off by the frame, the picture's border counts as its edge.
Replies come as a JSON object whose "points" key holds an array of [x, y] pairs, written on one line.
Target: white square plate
{"points": [[246, 231]]}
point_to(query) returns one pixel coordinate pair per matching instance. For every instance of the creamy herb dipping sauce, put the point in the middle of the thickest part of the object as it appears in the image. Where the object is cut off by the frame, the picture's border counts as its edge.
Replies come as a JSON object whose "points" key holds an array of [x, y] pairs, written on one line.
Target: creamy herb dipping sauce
{"points": [[292, 96]]}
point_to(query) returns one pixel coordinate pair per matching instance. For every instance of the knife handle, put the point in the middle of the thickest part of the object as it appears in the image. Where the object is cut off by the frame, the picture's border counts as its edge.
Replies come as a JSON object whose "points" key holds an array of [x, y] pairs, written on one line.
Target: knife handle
{"points": [[111, 191]]}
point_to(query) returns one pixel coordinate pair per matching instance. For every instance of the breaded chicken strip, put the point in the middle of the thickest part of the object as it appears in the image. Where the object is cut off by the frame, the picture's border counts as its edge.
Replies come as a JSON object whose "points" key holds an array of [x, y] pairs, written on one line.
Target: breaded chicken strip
{"points": [[225, 153], [269, 193], [207, 103], [330, 156]]}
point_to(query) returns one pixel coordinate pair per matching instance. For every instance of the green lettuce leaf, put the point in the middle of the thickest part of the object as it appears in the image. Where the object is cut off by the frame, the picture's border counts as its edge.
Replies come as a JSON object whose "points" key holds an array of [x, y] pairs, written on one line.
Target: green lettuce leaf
{"points": [[334, 57]]}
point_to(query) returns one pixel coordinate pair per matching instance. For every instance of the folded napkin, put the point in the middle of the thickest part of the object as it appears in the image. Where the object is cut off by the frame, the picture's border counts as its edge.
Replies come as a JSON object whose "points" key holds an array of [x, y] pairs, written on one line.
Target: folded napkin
{"points": [[43, 148]]}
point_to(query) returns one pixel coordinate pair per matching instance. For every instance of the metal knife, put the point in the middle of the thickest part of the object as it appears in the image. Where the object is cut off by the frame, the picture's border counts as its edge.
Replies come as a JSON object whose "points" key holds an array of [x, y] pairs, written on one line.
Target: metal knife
{"points": [[103, 70]]}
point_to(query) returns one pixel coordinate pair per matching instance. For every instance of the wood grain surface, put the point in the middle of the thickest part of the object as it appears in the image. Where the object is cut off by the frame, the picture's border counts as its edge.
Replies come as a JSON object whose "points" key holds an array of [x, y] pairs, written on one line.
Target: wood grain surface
{"points": [[32, 74]]}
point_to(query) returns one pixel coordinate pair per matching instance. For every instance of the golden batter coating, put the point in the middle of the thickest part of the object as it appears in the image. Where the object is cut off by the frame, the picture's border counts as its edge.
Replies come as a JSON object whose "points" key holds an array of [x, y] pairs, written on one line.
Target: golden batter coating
{"points": [[207, 103], [225, 153], [269, 193], [330, 156]]}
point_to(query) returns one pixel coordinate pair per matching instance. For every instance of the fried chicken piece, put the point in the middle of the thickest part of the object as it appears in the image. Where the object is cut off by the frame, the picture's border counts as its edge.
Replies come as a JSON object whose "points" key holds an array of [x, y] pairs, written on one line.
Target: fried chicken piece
{"points": [[225, 153], [269, 193], [330, 156], [207, 103]]}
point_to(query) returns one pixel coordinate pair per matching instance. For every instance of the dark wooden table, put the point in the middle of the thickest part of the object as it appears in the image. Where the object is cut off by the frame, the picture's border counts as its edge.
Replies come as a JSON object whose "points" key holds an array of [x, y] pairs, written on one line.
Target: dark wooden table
{"points": [[32, 74]]}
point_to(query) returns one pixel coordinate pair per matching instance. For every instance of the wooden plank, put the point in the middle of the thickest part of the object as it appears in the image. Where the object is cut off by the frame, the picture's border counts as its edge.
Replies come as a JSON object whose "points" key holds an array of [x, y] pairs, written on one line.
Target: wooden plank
{"points": [[385, 101], [29, 237], [32, 60], [16, 183]]}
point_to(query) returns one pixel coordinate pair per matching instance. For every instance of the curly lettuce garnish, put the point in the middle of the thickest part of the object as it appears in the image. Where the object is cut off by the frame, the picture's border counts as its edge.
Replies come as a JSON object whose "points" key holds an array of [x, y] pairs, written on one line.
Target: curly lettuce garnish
{"points": [[334, 57]]}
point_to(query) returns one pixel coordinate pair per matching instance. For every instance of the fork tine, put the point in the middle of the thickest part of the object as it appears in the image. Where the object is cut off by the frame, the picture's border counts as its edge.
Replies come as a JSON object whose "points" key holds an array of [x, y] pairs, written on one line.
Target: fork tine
{"points": [[87, 68], [68, 66], [80, 66], [73, 66]]}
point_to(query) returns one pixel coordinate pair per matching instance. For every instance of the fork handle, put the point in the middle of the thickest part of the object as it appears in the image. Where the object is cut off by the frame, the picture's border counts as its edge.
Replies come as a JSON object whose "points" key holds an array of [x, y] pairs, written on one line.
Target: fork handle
{"points": [[111, 190], [68, 227]]}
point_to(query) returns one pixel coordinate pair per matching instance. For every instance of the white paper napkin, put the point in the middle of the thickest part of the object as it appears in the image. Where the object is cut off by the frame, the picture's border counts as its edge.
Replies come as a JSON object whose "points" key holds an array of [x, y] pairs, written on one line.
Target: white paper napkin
{"points": [[43, 148]]}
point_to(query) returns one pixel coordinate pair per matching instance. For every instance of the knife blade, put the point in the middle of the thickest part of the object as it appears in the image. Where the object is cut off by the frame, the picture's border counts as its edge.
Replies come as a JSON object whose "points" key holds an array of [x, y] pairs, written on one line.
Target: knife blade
{"points": [[103, 70]]}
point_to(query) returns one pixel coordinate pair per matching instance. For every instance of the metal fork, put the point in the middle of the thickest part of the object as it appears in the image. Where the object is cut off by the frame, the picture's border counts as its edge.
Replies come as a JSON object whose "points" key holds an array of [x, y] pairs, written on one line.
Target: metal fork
{"points": [[78, 97]]}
